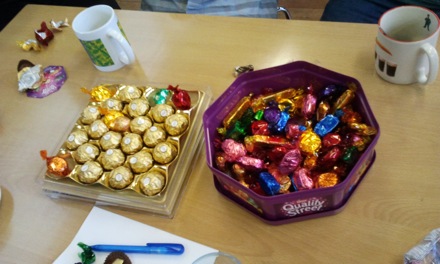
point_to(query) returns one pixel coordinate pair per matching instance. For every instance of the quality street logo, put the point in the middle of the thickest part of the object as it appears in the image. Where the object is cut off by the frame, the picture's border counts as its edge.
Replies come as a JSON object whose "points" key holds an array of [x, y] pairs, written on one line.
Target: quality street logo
{"points": [[301, 207]]}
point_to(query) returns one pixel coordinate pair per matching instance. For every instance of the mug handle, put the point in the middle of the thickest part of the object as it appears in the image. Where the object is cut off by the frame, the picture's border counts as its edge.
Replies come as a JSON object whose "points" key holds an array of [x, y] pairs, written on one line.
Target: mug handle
{"points": [[127, 56], [431, 52]]}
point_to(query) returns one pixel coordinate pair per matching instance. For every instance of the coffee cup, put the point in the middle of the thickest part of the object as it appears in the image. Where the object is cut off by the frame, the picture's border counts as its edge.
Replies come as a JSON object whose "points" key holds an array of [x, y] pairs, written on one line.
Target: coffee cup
{"points": [[406, 42], [99, 31]]}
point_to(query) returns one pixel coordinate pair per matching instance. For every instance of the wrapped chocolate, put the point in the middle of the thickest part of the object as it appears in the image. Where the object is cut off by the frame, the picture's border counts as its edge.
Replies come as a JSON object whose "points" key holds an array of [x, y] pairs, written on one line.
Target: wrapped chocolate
{"points": [[312, 136], [152, 183], [76, 139], [110, 140], [138, 107], [85, 153], [328, 179], [160, 112], [141, 161], [154, 135], [120, 178], [128, 93], [57, 165], [140, 124], [54, 78], [111, 159], [112, 104], [100, 93], [164, 152], [97, 129], [176, 124], [131, 143], [268, 183], [90, 113], [90, 172], [180, 98], [115, 120]]}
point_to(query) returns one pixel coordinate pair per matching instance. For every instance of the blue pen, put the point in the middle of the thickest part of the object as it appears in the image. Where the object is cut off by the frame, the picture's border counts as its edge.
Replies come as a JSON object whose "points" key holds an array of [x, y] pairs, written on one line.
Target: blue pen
{"points": [[149, 248]]}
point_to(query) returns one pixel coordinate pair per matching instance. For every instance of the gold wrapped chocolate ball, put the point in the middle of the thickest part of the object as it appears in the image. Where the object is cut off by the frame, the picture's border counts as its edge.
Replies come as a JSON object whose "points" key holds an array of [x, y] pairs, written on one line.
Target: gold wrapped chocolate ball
{"points": [[110, 140], [112, 104], [140, 124], [138, 107], [97, 129], [90, 172], [120, 178], [111, 159], [85, 152], [76, 139], [176, 124], [90, 114], [131, 143], [154, 135], [128, 93], [141, 161], [160, 112], [152, 183], [164, 152]]}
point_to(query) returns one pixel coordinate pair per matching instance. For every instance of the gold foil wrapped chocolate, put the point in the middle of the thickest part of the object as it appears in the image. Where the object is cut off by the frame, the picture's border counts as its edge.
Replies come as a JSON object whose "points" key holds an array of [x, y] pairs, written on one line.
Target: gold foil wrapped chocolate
{"points": [[160, 112], [110, 140], [152, 183], [131, 143], [85, 153], [111, 159], [100, 93], [76, 139], [128, 93], [90, 114], [141, 161], [138, 107], [146, 142], [120, 178], [97, 129], [176, 124], [140, 124], [164, 152], [112, 104], [90, 172], [154, 135]]}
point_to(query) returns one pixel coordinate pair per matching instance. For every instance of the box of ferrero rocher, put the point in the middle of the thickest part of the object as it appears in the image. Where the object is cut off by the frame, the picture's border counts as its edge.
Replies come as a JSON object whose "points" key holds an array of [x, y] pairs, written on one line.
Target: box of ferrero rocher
{"points": [[131, 146]]}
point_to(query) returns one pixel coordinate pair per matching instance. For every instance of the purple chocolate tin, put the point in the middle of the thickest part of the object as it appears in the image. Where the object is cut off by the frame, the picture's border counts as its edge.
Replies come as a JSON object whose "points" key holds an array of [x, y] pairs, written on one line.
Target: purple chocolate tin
{"points": [[300, 205]]}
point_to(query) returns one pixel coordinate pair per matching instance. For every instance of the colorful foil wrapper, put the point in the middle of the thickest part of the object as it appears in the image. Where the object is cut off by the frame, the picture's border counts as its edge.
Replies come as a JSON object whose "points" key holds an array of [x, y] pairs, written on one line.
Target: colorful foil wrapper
{"points": [[38, 83], [44, 35], [292, 140]]}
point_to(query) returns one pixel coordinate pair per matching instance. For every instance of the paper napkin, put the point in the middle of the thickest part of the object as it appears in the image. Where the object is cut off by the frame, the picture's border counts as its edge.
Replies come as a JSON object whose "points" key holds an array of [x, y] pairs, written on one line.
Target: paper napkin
{"points": [[104, 227]]}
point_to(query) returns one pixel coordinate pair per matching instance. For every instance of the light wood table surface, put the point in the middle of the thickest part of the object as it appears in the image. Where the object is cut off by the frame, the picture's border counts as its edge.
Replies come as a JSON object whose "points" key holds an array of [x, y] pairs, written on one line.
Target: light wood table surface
{"points": [[394, 207]]}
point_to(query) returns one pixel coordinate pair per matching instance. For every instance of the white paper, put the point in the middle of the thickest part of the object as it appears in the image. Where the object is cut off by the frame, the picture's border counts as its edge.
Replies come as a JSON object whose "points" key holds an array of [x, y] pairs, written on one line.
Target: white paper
{"points": [[104, 227]]}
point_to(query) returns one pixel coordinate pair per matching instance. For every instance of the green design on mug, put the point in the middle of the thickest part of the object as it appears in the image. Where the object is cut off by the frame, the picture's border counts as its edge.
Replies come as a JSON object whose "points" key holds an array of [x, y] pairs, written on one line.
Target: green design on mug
{"points": [[122, 31], [97, 52]]}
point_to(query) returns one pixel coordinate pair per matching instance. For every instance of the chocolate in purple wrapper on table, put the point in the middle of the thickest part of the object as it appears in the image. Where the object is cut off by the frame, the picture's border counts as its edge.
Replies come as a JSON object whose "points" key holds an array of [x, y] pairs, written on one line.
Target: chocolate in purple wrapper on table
{"points": [[54, 78]]}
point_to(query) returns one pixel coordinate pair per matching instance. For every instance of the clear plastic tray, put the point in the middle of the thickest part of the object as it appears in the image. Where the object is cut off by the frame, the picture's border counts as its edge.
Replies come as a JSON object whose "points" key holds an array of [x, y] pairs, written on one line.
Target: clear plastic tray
{"points": [[178, 171]]}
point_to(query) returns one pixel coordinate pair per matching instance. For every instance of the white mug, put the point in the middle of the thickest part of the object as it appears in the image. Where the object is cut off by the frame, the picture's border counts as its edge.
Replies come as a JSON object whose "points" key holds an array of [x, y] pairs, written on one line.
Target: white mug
{"points": [[103, 38], [405, 45]]}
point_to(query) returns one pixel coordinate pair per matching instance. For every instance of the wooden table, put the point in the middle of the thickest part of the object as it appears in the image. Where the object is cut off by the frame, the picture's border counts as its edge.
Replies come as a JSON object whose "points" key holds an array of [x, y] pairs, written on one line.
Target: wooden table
{"points": [[394, 207]]}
